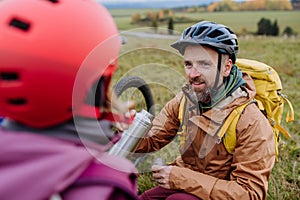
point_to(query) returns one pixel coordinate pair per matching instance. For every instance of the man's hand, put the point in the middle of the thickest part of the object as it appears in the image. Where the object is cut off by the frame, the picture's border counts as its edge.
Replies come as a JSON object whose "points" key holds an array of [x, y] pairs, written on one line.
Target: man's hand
{"points": [[162, 174]]}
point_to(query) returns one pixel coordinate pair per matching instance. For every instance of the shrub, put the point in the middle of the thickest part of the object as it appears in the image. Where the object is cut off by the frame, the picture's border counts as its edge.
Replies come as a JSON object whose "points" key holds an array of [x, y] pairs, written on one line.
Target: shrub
{"points": [[265, 27]]}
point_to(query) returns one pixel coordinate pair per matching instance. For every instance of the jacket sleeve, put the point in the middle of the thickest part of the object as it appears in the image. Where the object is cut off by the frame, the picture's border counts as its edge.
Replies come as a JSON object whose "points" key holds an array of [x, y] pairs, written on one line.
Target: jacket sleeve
{"points": [[164, 129], [252, 163]]}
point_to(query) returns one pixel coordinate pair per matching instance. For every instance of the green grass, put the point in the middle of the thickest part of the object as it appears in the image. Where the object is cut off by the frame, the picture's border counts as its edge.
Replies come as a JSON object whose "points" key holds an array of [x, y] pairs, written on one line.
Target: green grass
{"points": [[153, 60], [248, 19], [282, 55], [238, 21]]}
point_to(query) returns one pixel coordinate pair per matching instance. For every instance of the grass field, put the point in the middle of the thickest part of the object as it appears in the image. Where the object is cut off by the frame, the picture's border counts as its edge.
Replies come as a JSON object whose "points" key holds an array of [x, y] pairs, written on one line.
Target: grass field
{"points": [[238, 21], [248, 20], [161, 67]]}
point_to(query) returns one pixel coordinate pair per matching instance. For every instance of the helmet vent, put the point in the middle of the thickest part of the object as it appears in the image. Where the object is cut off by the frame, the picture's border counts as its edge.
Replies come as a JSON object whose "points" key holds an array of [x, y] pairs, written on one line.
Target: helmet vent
{"points": [[9, 76], [17, 101], [228, 42], [199, 31], [24, 26], [215, 34], [187, 32], [229, 31]]}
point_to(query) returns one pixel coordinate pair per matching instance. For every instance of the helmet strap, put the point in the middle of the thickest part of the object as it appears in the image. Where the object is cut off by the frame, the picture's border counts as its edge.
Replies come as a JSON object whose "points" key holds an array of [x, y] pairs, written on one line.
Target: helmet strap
{"points": [[215, 87]]}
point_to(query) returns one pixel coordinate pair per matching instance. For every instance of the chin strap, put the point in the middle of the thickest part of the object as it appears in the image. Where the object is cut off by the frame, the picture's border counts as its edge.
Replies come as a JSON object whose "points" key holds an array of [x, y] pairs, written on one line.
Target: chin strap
{"points": [[215, 88]]}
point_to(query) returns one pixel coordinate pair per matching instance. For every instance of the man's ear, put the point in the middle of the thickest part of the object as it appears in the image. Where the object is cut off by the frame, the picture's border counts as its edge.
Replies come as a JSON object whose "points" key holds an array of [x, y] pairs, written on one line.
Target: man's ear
{"points": [[227, 67]]}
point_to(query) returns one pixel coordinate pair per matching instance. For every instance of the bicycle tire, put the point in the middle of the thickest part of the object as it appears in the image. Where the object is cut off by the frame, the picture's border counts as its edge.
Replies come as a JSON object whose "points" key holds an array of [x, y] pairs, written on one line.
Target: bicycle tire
{"points": [[136, 82]]}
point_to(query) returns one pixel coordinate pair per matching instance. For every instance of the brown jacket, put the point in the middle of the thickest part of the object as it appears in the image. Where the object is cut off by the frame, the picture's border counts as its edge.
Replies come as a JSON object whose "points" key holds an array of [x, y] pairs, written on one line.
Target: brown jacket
{"points": [[205, 168]]}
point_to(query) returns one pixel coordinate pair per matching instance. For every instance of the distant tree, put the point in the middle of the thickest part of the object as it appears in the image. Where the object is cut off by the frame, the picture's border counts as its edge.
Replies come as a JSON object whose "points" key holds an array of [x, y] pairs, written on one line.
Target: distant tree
{"points": [[278, 5], [228, 5], [275, 29], [154, 24], [266, 5], [264, 27], [171, 26], [253, 5], [135, 18], [231, 5], [150, 15], [170, 13], [212, 7], [161, 15], [288, 31], [192, 9]]}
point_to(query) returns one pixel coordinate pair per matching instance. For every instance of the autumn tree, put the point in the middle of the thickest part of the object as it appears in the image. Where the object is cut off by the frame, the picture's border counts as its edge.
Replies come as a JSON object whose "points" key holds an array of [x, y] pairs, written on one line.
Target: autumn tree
{"points": [[170, 13], [135, 18], [161, 15], [266, 5], [150, 15], [228, 5], [253, 5], [278, 5], [212, 7]]}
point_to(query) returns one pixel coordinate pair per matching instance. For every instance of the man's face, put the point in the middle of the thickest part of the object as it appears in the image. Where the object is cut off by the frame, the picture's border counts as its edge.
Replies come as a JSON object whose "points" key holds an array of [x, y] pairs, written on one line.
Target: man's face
{"points": [[201, 65]]}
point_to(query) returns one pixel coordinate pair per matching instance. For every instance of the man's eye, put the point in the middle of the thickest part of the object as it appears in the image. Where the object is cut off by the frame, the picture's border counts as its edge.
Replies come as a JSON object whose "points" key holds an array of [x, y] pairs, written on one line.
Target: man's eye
{"points": [[187, 65], [205, 65]]}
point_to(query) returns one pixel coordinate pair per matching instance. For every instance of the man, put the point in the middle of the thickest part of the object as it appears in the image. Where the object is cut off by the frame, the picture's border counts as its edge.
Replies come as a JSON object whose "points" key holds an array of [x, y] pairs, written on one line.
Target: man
{"points": [[215, 86], [57, 60]]}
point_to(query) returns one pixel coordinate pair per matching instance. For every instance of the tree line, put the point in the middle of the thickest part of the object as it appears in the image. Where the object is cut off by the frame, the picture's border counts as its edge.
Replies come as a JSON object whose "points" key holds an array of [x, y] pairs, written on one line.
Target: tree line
{"points": [[230, 5], [266, 27]]}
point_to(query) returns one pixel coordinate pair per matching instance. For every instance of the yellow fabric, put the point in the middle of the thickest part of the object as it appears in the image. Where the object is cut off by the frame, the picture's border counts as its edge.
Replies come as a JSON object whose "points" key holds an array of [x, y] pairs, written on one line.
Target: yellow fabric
{"points": [[182, 130], [290, 113], [229, 128], [268, 94]]}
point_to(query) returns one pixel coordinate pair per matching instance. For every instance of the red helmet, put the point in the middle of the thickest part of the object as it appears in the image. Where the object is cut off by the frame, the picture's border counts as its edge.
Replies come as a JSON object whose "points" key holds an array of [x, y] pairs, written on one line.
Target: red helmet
{"points": [[52, 52]]}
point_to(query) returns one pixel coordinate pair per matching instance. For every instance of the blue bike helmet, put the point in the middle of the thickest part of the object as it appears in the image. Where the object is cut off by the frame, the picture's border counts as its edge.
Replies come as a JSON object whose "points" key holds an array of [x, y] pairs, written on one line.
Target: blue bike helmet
{"points": [[211, 34]]}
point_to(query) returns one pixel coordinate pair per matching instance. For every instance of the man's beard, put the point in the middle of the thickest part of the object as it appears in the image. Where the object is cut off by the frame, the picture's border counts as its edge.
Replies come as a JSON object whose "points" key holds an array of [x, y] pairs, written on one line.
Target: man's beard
{"points": [[203, 96]]}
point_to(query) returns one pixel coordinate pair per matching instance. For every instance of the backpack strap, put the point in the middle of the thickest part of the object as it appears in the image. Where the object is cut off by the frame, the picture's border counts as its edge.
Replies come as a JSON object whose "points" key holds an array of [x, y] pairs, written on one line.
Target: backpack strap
{"points": [[289, 117], [290, 113], [280, 128], [228, 127], [228, 131], [182, 118]]}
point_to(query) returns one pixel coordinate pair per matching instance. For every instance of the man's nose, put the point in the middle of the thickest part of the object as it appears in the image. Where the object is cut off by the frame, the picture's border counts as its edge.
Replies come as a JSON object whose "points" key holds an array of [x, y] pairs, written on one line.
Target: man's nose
{"points": [[194, 72]]}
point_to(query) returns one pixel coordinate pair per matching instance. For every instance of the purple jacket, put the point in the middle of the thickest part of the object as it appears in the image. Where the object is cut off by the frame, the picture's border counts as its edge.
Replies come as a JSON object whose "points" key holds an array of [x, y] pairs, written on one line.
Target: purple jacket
{"points": [[35, 167]]}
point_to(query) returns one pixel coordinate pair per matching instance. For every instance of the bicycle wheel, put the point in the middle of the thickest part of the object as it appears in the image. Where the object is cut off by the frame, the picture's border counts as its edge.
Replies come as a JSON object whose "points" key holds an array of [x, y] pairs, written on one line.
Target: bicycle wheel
{"points": [[137, 84]]}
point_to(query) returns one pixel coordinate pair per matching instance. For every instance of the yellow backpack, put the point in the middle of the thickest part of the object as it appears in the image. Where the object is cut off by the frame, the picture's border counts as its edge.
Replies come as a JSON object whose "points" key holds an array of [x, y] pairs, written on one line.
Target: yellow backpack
{"points": [[269, 99]]}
